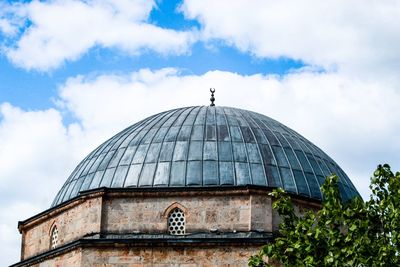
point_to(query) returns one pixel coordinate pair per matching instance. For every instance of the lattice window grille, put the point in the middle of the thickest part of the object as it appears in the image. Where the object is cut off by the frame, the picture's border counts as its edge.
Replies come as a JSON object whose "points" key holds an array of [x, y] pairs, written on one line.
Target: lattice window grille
{"points": [[176, 222], [54, 238]]}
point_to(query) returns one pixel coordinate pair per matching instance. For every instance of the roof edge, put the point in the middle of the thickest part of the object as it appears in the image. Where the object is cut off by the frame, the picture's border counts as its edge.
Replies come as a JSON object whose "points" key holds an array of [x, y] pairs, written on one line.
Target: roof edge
{"points": [[96, 240]]}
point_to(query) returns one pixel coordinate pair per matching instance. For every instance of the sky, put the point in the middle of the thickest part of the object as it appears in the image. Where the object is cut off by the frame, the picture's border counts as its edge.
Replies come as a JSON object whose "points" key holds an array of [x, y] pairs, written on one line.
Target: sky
{"points": [[74, 73]]}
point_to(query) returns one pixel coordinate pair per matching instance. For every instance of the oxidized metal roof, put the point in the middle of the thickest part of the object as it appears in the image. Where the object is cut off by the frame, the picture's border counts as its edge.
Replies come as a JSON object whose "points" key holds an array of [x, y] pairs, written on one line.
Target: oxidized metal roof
{"points": [[206, 146]]}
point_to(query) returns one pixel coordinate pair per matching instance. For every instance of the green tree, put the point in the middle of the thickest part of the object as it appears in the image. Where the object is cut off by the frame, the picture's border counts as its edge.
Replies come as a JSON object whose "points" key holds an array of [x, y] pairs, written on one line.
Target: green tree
{"points": [[355, 233]]}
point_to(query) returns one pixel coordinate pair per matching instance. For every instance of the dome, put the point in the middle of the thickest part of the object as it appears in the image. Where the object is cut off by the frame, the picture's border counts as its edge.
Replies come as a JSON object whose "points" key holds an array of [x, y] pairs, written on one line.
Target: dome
{"points": [[206, 146]]}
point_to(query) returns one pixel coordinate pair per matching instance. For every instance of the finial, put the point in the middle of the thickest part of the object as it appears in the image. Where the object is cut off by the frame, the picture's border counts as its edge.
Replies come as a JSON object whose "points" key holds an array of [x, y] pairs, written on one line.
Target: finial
{"points": [[212, 99]]}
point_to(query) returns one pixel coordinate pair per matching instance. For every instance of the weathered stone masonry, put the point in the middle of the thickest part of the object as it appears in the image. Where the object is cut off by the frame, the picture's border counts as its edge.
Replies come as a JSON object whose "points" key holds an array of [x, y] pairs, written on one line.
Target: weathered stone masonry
{"points": [[105, 212]]}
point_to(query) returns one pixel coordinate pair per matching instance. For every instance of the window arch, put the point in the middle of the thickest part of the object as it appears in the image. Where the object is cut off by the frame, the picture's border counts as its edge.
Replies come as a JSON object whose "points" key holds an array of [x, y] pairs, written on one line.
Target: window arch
{"points": [[54, 237], [176, 222]]}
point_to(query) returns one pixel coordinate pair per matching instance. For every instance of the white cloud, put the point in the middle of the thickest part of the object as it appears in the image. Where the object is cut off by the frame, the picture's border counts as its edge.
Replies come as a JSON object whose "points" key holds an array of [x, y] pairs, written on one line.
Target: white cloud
{"points": [[358, 36], [6, 27], [10, 19], [30, 141], [351, 120], [64, 30], [9, 237]]}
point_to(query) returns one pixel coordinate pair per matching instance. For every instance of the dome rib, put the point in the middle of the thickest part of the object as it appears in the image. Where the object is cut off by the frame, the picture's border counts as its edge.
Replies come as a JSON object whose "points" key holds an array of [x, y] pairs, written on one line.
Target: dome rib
{"points": [[258, 147], [176, 142], [191, 130], [206, 146], [166, 116]]}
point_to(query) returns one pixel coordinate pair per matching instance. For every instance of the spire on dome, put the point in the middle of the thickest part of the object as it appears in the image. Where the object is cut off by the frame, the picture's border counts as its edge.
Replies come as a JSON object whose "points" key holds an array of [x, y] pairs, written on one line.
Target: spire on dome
{"points": [[212, 99]]}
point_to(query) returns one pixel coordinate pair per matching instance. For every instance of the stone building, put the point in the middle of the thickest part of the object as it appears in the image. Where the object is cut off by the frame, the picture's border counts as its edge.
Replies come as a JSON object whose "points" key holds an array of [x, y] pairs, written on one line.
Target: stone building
{"points": [[187, 187]]}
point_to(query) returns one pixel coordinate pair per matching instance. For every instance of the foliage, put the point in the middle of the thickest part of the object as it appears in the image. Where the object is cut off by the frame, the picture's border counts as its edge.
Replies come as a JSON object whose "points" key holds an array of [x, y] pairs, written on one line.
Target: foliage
{"points": [[355, 233]]}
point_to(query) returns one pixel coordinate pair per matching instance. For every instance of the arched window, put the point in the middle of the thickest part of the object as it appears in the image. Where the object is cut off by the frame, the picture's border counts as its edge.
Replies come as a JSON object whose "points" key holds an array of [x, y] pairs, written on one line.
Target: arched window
{"points": [[54, 238], [176, 222]]}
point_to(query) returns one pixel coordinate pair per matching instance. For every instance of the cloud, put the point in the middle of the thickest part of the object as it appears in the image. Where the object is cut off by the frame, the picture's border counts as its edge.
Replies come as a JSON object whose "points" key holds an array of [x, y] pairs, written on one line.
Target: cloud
{"points": [[30, 141], [350, 119], [9, 237], [60, 31], [10, 19], [359, 37], [6, 27]]}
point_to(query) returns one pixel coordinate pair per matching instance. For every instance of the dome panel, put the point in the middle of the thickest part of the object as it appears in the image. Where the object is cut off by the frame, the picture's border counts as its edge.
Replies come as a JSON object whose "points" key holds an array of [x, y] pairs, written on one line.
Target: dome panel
{"points": [[206, 146]]}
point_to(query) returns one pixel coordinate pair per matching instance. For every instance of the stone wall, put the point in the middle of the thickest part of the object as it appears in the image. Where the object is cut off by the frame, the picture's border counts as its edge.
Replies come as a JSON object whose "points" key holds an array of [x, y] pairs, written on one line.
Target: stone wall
{"points": [[72, 224], [261, 213], [70, 259], [202, 213], [147, 212], [168, 257], [300, 207]]}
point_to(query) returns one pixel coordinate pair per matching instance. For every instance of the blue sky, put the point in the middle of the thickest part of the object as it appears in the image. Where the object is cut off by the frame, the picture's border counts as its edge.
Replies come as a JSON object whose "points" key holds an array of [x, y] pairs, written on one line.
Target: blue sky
{"points": [[18, 86], [327, 69]]}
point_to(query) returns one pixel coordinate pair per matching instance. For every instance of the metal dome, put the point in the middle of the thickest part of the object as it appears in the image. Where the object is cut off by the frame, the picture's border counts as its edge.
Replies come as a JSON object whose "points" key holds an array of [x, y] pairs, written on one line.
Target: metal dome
{"points": [[206, 146]]}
